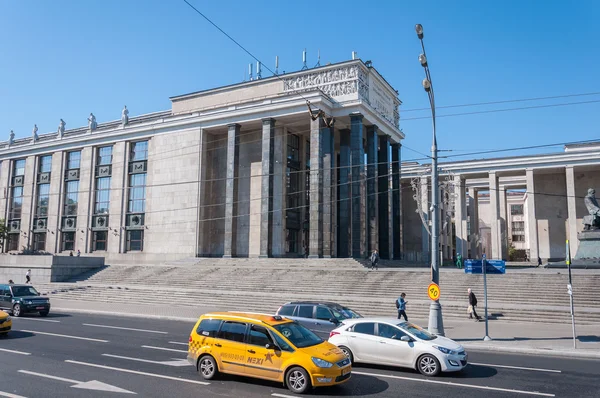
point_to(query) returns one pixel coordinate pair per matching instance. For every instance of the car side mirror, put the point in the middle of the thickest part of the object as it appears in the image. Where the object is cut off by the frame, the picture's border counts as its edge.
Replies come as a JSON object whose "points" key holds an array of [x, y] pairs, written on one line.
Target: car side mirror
{"points": [[405, 338], [270, 346], [334, 321]]}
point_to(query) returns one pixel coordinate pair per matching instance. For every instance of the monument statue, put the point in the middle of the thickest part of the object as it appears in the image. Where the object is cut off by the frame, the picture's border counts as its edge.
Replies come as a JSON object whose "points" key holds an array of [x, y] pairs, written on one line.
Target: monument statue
{"points": [[591, 221], [61, 128], [125, 116], [34, 133], [11, 138], [92, 125]]}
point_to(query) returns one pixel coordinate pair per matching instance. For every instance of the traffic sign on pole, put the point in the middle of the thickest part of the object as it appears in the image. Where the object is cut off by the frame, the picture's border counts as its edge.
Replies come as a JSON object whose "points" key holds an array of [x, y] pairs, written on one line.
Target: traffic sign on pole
{"points": [[433, 291]]}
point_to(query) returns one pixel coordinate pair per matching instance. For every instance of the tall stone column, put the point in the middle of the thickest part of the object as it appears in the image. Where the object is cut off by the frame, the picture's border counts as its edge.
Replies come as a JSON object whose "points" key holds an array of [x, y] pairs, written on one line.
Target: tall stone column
{"points": [[266, 201], [334, 191], [474, 222], [460, 217], [532, 231], [503, 223], [572, 210], [27, 207], [495, 215], [372, 194], [279, 189], [385, 198], [233, 135], [358, 199], [397, 203], [317, 128], [425, 236], [328, 180], [344, 199]]}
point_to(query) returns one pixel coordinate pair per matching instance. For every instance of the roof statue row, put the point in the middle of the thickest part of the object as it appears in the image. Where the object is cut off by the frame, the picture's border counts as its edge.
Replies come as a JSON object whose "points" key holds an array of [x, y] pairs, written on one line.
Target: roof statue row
{"points": [[92, 125]]}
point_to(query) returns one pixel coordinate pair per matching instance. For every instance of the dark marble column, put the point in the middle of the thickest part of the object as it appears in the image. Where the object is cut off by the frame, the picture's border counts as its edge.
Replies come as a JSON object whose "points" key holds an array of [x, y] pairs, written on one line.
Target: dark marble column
{"points": [[372, 195], [327, 205], [279, 188], [344, 231], [317, 128], [233, 135], [266, 202], [385, 220], [357, 160], [397, 202]]}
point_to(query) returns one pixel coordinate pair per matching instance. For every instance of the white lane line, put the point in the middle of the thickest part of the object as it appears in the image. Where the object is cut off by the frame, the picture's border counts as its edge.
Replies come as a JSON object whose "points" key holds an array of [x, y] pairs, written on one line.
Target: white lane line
{"points": [[516, 367], [203, 383], [448, 383], [37, 319], [49, 376], [66, 336], [174, 362], [177, 342], [9, 395], [283, 396], [164, 349], [15, 352], [123, 328]]}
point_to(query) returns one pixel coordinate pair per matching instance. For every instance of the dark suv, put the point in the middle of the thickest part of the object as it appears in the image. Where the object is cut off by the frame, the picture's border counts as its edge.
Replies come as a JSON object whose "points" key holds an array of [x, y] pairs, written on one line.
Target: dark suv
{"points": [[319, 316], [20, 299]]}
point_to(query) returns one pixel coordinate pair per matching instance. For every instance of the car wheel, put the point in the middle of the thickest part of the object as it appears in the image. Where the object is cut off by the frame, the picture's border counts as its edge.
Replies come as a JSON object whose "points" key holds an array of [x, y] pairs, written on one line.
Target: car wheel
{"points": [[17, 311], [207, 367], [428, 365], [297, 380], [347, 353], [43, 313]]}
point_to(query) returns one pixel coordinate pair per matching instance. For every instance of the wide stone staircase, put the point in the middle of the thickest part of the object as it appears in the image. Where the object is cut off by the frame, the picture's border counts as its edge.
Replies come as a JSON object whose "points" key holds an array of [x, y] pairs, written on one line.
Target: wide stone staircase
{"points": [[530, 295]]}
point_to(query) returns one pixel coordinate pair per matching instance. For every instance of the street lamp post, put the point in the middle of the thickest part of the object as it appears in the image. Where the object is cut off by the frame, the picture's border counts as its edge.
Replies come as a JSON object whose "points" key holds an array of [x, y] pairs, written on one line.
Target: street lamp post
{"points": [[436, 322]]}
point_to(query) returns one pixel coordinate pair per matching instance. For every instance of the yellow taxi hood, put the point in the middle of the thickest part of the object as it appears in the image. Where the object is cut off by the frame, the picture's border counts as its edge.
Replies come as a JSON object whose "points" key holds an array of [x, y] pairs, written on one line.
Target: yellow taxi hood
{"points": [[325, 351], [3, 315]]}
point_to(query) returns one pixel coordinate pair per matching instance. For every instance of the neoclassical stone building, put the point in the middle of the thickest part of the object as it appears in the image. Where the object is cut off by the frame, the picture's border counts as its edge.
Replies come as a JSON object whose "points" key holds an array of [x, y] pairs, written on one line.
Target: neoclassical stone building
{"points": [[308, 163]]}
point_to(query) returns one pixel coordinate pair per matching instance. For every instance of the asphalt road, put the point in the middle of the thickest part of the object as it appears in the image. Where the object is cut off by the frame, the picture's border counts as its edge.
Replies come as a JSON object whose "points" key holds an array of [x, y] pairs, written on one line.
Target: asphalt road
{"points": [[78, 355]]}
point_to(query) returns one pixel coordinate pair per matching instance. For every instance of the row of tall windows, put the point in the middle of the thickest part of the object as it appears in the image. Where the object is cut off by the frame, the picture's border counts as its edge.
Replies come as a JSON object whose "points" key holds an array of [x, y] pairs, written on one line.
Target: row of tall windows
{"points": [[41, 202], [136, 204], [15, 211], [103, 175]]}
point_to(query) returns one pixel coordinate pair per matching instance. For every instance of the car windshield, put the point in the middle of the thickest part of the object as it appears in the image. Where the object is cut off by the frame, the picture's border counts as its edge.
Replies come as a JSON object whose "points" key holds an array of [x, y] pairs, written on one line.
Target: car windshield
{"points": [[20, 291], [298, 335], [417, 331], [341, 313]]}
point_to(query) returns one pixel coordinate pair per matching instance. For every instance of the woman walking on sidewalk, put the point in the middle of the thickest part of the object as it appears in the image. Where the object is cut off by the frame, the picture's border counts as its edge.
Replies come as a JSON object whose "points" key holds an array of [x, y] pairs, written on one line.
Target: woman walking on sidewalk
{"points": [[472, 304]]}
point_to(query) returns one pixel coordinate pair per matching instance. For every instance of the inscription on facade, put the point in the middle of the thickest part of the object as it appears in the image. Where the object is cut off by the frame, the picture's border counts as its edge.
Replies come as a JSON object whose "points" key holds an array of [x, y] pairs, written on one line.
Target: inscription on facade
{"points": [[73, 175], [44, 178], [104, 171], [138, 167], [18, 180]]}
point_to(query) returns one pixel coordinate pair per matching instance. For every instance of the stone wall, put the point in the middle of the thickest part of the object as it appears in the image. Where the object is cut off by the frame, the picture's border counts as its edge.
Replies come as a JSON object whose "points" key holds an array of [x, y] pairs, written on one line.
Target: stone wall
{"points": [[412, 225], [213, 224], [551, 214], [249, 150], [45, 269]]}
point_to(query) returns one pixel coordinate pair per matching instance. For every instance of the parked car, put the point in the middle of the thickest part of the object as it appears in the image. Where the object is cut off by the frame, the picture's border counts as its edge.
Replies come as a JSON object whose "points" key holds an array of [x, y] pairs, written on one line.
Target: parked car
{"points": [[321, 317], [388, 341], [5, 323], [21, 299]]}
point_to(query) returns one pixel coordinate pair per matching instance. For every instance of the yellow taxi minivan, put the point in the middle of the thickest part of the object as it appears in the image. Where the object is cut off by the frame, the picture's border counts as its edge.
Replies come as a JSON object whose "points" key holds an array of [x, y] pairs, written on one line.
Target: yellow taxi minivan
{"points": [[5, 323], [267, 347]]}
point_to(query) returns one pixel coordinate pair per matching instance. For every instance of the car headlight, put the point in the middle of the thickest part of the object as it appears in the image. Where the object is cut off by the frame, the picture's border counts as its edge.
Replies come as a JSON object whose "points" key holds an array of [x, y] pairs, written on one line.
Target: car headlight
{"points": [[321, 363], [445, 350], [7, 319], [28, 302]]}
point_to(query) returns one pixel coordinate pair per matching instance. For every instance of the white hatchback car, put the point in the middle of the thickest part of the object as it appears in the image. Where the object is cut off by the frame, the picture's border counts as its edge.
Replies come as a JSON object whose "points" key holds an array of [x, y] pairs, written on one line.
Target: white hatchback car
{"points": [[388, 341]]}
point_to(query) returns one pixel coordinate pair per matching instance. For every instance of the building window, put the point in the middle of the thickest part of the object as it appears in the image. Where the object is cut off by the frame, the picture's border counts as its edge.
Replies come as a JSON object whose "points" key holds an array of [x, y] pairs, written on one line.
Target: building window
{"points": [[105, 155], [137, 193], [71, 190], [68, 241], [45, 164], [99, 243], [19, 167], [102, 195], [43, 196], [16, 204], [13, 242], [516, 210], [73, 160], [139, 151], [518, 226], [135, 240], [39, 241], [518, 238]]}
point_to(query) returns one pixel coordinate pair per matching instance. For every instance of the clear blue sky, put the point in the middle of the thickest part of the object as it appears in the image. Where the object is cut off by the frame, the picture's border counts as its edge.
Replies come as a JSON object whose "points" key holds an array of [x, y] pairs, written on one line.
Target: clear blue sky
{"points": [[67, 58]]}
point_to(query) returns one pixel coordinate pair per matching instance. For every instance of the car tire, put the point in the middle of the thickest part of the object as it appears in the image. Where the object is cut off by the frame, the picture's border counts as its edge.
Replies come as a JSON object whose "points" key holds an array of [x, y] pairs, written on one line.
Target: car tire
{"points": [[17, 310], [44, 313], [347, 352], [207, 367], [297, 380], [428, 365]]}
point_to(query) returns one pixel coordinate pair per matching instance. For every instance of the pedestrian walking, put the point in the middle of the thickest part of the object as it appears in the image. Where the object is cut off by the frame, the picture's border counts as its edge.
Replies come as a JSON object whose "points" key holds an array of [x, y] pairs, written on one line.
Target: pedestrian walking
{"points": [[459, 261], [71, 253], [539, 262], [374, 259], [11, 282], [78, 253], [472, 304], [28, 276], [401, 306]]}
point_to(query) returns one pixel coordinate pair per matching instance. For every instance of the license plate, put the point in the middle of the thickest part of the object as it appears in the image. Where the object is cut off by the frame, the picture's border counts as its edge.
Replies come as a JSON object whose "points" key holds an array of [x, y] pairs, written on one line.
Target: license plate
{"points": [[345, 371], [39, 308]]}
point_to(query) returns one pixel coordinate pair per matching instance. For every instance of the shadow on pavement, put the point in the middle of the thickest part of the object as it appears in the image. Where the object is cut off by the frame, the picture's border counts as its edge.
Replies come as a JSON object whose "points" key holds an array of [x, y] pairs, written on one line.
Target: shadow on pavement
{"points": [[590, 339], [49, 316], [470, 372], [17, 334]]}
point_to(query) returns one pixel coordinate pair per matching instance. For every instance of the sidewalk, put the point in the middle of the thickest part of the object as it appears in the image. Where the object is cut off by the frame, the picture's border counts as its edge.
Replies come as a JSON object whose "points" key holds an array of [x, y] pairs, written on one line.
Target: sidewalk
{"points": [[512, 337]]}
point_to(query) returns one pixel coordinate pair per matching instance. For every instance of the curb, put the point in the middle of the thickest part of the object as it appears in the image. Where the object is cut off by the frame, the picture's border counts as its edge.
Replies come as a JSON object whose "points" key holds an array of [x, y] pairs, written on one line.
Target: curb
{"points": [[126, 314], [574, 353]]}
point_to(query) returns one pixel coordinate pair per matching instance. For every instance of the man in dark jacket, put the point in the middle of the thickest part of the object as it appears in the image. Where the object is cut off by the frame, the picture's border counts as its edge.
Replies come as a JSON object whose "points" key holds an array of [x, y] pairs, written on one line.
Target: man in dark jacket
{"points": [[374, 259], [472, 305]]}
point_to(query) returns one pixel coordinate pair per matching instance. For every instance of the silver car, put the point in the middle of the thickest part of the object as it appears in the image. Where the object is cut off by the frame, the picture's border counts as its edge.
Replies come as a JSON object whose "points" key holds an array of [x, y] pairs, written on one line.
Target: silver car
{"points": [[388, 341]]}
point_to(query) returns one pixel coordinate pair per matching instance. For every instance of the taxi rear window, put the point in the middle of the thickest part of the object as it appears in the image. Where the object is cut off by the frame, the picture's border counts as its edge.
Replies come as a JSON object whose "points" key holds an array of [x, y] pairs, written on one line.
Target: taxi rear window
{"points": [[208, 327]]}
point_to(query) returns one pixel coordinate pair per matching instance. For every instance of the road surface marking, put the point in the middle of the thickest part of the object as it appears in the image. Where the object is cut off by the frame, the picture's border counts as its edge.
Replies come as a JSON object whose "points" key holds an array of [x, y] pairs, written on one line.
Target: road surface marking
{"points": [[123, 328], [84, 385], [516, 367], [9, 395], [138, 372], [177, 342], [15, 352], [164, 349], [38, 319], [284, 396], [174, 362], [449, 383], [66, 336]]}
